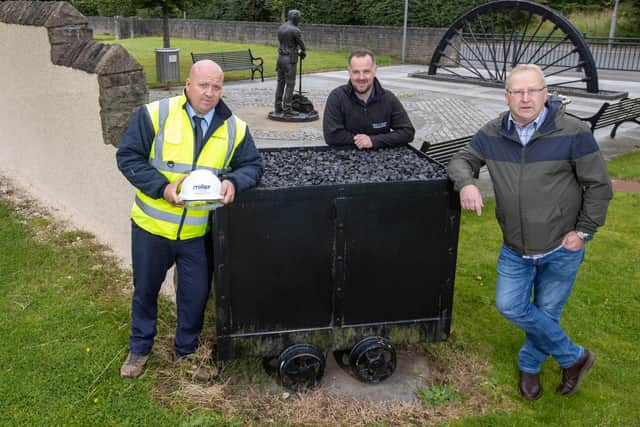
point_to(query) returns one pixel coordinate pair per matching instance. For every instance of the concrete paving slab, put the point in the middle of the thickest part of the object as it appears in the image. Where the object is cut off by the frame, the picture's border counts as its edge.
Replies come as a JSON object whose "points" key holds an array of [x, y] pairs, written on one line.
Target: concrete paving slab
{"points": [[412, 372]]}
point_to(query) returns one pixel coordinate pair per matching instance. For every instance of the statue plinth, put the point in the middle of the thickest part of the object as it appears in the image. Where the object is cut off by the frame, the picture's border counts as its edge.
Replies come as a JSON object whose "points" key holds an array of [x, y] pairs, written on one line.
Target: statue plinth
{"points": [[294, 116]]}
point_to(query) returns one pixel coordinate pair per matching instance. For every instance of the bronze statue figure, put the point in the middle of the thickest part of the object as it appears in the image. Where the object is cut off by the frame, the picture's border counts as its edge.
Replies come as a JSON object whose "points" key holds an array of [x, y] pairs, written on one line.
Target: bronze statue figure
{"points": [[289, 106], [291, 46]]}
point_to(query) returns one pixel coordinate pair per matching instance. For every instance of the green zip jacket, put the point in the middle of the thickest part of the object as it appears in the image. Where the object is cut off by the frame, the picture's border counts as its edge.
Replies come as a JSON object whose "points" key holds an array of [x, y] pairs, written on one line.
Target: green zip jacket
{"points": [[557, 183]]}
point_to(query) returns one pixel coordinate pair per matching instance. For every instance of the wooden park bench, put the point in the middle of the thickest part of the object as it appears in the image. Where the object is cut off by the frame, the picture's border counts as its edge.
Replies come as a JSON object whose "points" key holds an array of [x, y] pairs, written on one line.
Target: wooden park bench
{"points": [[627, 110], [233, 60], [442, 152]]}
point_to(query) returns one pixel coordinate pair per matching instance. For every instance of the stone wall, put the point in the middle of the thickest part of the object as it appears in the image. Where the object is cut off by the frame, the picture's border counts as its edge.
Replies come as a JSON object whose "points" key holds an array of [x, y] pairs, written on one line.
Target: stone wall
{"points": [[65, 103], [420, 44], [121, 79]]}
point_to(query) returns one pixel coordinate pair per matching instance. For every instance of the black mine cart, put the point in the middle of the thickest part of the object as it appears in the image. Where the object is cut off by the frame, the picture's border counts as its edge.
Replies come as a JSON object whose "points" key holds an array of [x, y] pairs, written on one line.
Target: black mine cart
{"points": [[346, 251]]}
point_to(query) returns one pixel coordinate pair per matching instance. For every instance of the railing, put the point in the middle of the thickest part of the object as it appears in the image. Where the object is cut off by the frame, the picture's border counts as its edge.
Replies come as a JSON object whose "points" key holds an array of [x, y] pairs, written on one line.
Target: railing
{"points": [[622, 54]]}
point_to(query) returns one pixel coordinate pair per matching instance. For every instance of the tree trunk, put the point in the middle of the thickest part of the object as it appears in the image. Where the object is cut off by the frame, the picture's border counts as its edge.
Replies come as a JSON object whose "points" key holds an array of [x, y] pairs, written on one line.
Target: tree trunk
{"points": [[165, 25]]}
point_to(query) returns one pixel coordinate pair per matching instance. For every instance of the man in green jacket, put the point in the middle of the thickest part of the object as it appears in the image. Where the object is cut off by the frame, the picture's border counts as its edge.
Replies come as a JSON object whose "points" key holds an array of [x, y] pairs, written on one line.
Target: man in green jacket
{"points": [[552, 192]]}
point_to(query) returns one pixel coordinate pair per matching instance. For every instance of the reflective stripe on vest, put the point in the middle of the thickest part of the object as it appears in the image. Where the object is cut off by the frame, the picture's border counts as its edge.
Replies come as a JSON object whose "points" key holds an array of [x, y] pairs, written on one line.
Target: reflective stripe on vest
{"points": [[174, 140], [169, 217], [185, 168]]}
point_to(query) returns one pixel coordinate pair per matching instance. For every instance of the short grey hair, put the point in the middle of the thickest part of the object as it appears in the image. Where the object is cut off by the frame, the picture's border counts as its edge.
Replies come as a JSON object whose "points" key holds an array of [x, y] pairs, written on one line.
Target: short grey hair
{"points": [[523, 67]]}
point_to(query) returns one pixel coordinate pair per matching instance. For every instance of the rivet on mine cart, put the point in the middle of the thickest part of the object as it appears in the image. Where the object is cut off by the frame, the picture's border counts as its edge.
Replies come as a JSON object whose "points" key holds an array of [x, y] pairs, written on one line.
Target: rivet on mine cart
{"points": [[336, 251]]}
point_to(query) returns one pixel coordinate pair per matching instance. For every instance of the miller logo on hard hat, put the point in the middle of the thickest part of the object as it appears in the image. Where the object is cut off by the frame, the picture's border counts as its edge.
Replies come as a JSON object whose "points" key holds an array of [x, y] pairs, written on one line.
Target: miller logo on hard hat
{"points": [[201, 190]]}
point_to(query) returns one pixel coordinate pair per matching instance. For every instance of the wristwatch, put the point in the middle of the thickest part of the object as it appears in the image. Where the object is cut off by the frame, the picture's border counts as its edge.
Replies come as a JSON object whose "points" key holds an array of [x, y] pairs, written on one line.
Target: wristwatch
{"points": [[586, 237]]}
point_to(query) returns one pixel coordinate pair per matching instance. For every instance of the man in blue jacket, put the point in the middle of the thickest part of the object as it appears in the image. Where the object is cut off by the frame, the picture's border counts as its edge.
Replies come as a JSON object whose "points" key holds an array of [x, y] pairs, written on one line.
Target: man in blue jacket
{"points": [[552, 192], [164, 142]]}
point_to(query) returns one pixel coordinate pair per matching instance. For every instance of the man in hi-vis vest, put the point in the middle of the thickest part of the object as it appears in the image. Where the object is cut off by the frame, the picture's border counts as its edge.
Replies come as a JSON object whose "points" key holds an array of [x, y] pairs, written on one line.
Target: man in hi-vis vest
{"points": [[164, 142]]}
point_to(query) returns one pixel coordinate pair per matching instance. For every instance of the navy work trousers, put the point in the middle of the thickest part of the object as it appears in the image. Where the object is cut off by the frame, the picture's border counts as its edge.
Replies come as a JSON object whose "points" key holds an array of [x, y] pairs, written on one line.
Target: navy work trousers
{"points": [[152, 256]]}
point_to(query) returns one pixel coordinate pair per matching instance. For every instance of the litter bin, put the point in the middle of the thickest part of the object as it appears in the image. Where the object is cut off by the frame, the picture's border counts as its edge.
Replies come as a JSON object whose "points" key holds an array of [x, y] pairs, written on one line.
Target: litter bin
{"points": [[168, 64], [354, 268]]}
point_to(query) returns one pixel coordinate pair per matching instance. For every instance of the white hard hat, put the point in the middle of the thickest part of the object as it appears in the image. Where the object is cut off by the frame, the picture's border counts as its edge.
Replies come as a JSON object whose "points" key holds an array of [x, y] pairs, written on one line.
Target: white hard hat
{"points": [[201, 190]]}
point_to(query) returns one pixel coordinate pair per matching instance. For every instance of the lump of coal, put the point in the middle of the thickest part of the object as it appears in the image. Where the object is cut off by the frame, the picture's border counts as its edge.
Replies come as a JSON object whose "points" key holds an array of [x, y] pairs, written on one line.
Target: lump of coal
{"points": [[308, 166]]}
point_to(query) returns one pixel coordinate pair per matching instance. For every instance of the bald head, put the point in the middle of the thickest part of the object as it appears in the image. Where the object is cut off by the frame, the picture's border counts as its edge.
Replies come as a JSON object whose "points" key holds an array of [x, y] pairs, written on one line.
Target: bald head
{"points": [[205, 66], [204, 86]]}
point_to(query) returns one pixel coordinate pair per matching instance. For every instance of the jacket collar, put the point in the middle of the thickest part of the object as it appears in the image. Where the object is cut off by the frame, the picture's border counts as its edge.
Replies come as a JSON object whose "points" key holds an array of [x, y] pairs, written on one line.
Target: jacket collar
{"points": [[377, 88], [222, 114], [549, 124]]}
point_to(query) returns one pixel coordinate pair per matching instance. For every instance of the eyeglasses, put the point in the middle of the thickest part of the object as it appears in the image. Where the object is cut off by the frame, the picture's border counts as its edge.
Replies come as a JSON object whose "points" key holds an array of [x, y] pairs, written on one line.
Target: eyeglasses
{"points": [[520, 92]]}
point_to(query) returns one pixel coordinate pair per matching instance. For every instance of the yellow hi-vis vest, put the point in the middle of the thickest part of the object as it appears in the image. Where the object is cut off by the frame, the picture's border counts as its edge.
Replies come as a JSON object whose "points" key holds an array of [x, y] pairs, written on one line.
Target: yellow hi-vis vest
{"points": [[172, 153]]}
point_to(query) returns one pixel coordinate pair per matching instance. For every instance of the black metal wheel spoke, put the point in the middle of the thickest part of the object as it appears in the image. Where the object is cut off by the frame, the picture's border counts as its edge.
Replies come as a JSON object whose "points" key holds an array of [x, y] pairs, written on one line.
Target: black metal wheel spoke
{"points": [[301, 366], [549, 50], [558, 60], [473, 69], [533, 36], [477, 54], [485, 43], [459, 64], [518, 54], [375, 365], [491, 47], [560, 70], [373, 359]]}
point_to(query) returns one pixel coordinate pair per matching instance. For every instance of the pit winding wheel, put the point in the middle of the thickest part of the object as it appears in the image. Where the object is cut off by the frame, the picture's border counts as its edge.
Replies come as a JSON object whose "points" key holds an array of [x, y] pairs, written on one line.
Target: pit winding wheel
{"points": [[486, 42]]}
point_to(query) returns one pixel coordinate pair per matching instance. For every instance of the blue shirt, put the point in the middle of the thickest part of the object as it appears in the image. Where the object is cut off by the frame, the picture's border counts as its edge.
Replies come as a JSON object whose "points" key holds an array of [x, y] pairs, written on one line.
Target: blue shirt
{"points": [[204, 124], [525, 133]]}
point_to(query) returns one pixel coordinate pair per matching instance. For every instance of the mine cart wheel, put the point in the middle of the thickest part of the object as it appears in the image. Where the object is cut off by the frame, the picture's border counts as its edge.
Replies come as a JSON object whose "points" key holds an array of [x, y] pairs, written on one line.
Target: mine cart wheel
{"points": [[373, 359], [301, 367]]}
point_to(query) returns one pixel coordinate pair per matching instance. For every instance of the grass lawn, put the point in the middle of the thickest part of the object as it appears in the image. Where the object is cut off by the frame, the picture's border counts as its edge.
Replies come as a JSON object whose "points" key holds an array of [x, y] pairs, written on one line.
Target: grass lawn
{"points": [[143, 50], [64, 324], [626, 166]]}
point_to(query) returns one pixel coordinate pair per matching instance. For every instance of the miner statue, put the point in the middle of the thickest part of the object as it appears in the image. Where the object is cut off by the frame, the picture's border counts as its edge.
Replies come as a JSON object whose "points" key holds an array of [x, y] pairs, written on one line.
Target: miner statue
{"points": [[290, 106]]}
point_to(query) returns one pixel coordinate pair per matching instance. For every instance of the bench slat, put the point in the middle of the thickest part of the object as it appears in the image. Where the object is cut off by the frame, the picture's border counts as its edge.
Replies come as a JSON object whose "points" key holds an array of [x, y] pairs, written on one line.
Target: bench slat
{"points": [[626, 110], [233, 60], [442, 152]]}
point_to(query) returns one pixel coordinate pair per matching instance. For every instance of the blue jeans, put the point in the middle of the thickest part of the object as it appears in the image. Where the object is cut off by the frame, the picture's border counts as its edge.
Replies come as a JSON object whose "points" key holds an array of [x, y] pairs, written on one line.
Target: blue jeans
{"points": [[531, 295]]}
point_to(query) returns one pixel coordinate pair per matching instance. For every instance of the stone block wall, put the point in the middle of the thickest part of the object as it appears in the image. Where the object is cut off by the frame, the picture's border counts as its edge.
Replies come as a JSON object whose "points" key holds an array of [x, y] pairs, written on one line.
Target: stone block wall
{"points": [[420, 43], [66, 100], [122, 82]]}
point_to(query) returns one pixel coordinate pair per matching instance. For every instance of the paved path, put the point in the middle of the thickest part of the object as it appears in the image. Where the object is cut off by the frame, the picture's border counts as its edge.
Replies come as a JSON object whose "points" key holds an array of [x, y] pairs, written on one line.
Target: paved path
{"points": [[439, 110]]}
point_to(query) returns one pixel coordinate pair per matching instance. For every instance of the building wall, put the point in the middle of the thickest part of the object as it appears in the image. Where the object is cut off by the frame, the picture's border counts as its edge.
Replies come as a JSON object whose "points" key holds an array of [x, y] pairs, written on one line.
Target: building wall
{"points": [[65, 103], [420, 44]]}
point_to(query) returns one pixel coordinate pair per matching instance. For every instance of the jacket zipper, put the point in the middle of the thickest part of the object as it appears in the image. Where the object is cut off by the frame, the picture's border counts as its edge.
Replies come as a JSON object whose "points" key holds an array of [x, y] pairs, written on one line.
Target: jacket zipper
{"points": [[522, 158]]}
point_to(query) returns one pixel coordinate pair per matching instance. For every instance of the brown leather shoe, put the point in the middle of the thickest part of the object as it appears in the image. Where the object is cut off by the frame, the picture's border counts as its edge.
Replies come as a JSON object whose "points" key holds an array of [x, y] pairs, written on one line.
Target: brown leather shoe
{"points": [[132, 367], [530, 387], [572, 376]]}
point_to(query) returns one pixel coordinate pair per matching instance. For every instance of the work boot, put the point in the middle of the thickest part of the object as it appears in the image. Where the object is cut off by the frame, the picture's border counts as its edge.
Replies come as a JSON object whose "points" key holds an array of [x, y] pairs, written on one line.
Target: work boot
{"points": [[196, 369], [132, 367], [530, 387], [572, 376]]}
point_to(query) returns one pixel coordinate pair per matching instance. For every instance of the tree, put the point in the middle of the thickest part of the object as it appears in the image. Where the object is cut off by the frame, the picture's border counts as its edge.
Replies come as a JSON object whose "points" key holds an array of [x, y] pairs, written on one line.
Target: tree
{"points": [[168, 6]]}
